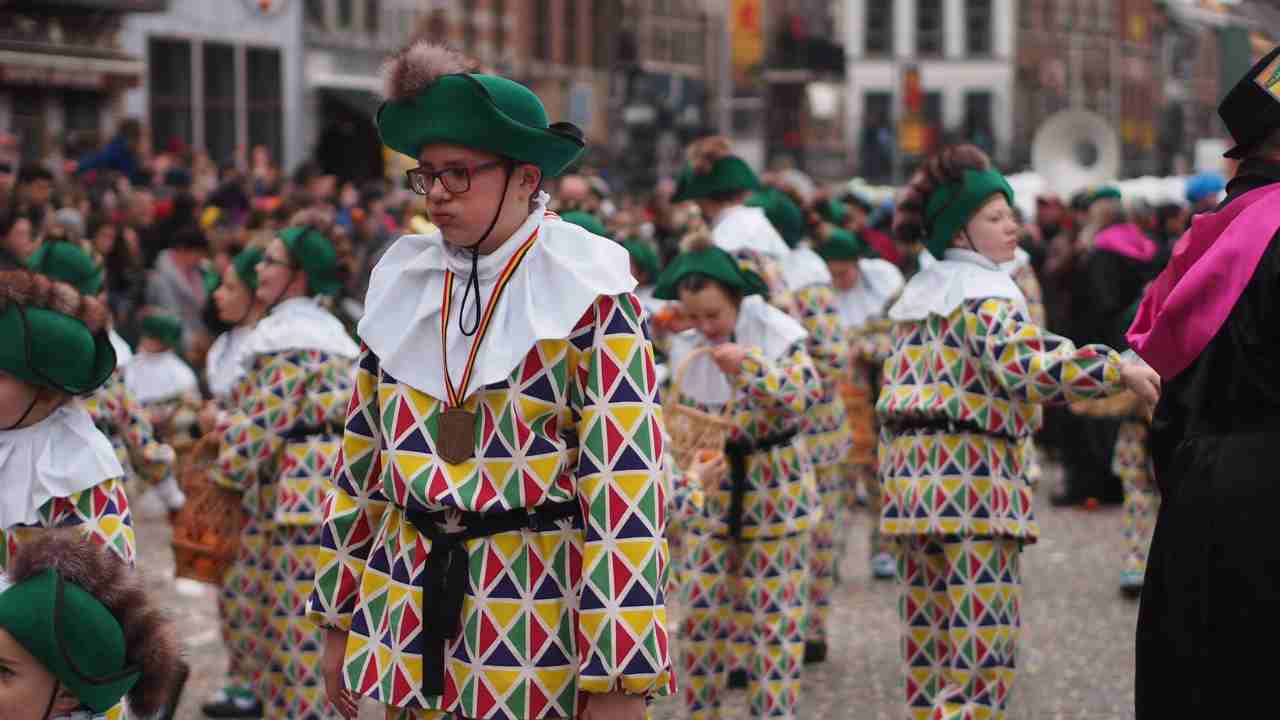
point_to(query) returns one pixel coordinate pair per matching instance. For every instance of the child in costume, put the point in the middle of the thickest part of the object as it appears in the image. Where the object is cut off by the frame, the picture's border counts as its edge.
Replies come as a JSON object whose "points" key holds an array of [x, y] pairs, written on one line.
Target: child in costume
{"points": [[163, 382], [962, 391], [79, 635], [243, 600], [865, 286], [765, 508], [494, 546], [147, 461], [280, 446]]}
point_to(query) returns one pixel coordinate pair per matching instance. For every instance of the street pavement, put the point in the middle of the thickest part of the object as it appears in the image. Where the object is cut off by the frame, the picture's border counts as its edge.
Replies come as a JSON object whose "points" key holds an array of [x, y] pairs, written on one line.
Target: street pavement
{"points": [[1075, 658]]}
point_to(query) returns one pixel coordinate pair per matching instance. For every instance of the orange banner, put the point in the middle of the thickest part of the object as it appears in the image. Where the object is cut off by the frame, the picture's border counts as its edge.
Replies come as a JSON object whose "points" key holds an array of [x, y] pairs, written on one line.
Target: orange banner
{"points": [[746, 31]]}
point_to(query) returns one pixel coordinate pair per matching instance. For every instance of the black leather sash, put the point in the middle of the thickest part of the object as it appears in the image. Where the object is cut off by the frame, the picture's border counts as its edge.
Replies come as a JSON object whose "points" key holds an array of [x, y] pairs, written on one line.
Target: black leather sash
{"points": [[444, 579], [945, 425], [737, 452]]}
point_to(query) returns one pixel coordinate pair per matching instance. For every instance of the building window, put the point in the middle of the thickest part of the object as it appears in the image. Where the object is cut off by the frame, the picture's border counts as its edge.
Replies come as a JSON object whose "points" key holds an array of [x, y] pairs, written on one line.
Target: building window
{"points": [[978, 120], [266, 104], [220, 102], [499, 27], [346, 14], [876, 146], [81, 110], [314, 10], [929, 27], [571, 35], [977, 20], [933, 118], [169, 90], [601, 27], [542, 29], [879, 40], [373, 16]]}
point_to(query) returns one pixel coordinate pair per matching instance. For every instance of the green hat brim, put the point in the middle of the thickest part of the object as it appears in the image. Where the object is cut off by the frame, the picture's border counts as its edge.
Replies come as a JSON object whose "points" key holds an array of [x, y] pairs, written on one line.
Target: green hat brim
{"points": [[834, 211], [644, 256], [246, 264], [210, 279], [313, 252], [729, 174], [73, 635], [47, 348], [711, 262], [165, 328], [69, 263], [1109, 192], [468, 110], [844, 245], [785, 216]]}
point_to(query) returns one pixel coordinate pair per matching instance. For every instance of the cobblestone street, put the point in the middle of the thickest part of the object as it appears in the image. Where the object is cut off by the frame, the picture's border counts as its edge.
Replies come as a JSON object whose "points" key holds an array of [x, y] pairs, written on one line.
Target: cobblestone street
{"points": [[1076, 655]]}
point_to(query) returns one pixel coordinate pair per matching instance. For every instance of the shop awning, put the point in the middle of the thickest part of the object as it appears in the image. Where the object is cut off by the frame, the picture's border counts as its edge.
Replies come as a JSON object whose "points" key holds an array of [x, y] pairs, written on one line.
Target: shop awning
{"points": [[62, 70]]}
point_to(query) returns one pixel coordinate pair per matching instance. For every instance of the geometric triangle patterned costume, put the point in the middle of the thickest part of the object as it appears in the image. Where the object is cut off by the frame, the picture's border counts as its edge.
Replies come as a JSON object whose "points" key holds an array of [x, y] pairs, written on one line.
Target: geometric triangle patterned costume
{"points": [[546, 615], [1132, 465], [279, 448], [956, 492], [118, 414]]}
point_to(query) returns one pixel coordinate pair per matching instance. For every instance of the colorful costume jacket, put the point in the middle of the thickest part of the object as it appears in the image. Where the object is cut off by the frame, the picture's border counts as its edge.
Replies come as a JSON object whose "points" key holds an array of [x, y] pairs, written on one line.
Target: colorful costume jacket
{"points": [[124, 421], [988, 367], [829, 434], [546, 615]]}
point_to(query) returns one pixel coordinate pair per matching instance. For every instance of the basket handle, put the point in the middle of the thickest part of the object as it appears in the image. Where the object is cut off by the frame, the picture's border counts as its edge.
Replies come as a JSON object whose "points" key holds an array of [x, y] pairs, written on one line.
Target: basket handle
{"points": [[677, 381]]}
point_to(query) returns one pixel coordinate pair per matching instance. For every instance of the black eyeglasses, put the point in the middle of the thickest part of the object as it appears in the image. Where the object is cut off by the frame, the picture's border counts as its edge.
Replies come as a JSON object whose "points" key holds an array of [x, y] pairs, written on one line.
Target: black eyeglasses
{"points": [[456, 180]]}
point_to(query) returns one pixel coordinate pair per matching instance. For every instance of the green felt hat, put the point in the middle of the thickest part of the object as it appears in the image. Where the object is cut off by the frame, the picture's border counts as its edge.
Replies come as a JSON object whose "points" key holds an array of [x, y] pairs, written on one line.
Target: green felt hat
{"points": [[313, 252], [714, 263], [844, 245], [246, 264], [644, 256], [73, 635], [833, 211], [45, 347], [785, 216], [209, 277], [952, 205], [729, 174], [588, 221], [1106, 192], [69, 263], [484, 112], [165, 328]]}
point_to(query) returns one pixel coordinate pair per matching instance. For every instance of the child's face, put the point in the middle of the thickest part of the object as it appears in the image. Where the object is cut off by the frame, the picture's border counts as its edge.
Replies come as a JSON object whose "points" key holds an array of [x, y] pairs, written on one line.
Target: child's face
{"points": [[26, 687], [152, 345], [15, 399]]}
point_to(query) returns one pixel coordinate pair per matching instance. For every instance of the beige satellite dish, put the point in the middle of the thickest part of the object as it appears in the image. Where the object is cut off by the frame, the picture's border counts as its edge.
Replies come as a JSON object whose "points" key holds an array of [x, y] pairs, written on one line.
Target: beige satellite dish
{"points": [[1073, 150]]}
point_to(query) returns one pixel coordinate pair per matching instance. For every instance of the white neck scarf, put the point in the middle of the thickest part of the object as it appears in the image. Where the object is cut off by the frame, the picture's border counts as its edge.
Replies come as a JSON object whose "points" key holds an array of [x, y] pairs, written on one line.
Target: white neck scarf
{"points": [[225, 363], [300, 324], [760, 325], [564, 272], [802, 268], [158, 376], [879, 281], [943, 286], [54, 458], [748, 228]]}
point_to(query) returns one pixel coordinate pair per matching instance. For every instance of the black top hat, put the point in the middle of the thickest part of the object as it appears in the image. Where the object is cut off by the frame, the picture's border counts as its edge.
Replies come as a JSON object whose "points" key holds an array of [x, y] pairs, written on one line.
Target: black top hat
{"points": [[1252, 109]]}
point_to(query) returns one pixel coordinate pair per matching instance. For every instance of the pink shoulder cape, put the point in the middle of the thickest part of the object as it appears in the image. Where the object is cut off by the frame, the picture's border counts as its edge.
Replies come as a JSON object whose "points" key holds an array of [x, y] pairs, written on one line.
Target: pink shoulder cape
{"points": [[1211, 266], [1127, 240]]}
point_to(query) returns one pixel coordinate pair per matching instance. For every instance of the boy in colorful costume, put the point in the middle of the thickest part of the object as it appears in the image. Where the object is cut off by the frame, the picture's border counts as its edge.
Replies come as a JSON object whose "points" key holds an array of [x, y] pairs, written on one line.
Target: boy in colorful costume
{"points": [[962, 391], [494, 545], [164, 383]]}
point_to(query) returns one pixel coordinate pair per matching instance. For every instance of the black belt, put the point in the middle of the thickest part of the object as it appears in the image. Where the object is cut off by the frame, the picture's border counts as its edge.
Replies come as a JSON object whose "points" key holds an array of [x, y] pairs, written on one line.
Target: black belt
{"points": [[737, 452], [444, 579], [300, 433], [946, 425]]}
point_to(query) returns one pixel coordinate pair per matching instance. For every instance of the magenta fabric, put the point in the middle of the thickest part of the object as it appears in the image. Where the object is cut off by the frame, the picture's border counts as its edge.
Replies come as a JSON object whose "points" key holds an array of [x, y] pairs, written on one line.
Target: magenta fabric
{"points": [[1211, 266], [1128, 240]]}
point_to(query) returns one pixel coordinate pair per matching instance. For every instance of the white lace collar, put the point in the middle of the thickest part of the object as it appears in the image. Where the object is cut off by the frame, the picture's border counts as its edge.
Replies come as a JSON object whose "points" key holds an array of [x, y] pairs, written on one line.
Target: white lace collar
{"points": [[747, 228], [300, 324], [879, 281], [760, 325], [564, 272], [802, 268], [124, 353], [943, 286], [158, 376], [56, 457]]}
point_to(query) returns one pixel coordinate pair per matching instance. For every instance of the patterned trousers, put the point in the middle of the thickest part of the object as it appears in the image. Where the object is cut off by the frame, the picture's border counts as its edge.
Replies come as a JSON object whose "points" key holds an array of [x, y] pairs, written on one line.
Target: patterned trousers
{"points": [[292, 686], [832, 487], [773, 573], [960, 608], [1141, 498], [242, 607]]}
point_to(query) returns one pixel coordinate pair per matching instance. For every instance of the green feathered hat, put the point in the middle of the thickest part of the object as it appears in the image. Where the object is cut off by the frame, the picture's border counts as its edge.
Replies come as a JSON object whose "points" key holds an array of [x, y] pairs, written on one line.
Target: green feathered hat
{"points": [[842, 244], [313, 252], [951, 206], [644, 256], [431, 99], [47, 348], [69, 263], [587, 221], [714, 263], [729, 174], [165, 328], [785, 216], [73, 635]]}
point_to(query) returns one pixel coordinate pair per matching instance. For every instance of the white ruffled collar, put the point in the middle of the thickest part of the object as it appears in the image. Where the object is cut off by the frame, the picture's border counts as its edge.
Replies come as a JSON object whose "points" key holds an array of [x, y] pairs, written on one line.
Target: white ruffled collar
{"points": [[124, 353], [158, 376], [300, 324], [802, 268], [943, 286], [879, 281], [760, 325], [747, 228], [225, 363], [564, 272], [57, 457]]}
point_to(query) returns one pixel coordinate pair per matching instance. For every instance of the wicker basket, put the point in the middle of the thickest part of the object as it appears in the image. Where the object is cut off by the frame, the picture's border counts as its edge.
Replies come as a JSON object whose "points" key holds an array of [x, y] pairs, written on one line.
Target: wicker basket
{"points": [[691, 430], [206, 532], [1124, 405], [860, 406]]}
